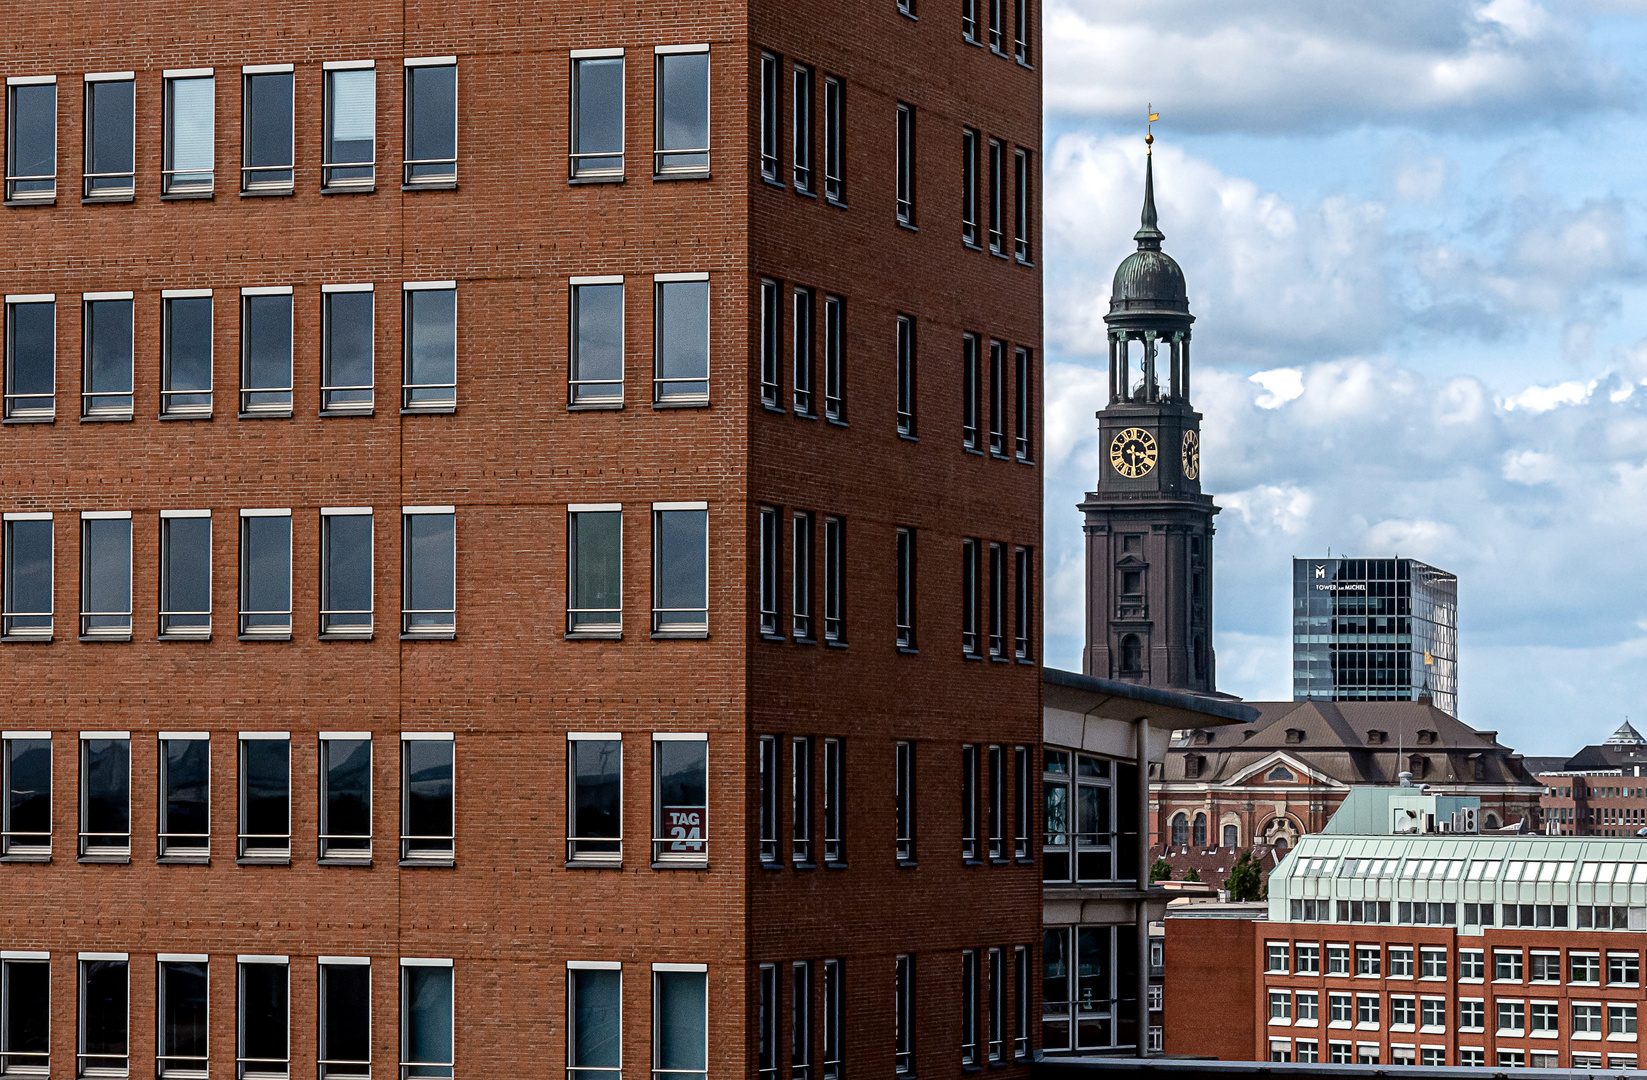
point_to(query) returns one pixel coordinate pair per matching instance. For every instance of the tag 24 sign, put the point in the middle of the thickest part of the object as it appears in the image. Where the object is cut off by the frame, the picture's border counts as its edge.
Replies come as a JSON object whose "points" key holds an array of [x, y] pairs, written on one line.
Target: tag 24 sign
{"points": [[683, 826]]}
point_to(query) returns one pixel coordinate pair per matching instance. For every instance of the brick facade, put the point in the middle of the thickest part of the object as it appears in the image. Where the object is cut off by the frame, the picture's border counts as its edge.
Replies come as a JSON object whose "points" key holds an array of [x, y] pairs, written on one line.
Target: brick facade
{"points": [[509, 913]]}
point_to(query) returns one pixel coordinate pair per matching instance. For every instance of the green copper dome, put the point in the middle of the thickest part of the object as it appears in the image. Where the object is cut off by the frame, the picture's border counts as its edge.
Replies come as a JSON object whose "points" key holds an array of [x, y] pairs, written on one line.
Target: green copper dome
{"points": [[1149, 279]]}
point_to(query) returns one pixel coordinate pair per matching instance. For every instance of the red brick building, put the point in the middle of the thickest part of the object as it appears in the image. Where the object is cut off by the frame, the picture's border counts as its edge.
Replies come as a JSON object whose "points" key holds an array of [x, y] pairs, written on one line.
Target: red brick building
{"points": [[450, 626], [1599, 791]]}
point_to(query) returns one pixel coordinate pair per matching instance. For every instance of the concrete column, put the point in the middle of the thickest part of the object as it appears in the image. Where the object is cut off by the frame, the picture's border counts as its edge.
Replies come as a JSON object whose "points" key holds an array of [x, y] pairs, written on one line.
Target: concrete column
{"points": [[1142, 914]]}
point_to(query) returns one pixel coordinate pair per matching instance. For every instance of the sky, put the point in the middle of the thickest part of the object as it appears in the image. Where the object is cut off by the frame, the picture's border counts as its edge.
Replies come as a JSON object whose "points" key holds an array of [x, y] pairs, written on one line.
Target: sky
{"points": [[1415, 236]]}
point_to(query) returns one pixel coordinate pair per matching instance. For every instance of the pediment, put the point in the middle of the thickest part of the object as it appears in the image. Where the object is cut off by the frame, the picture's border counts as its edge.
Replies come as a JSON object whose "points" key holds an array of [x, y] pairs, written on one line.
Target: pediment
{"points": [[1258, 772]]}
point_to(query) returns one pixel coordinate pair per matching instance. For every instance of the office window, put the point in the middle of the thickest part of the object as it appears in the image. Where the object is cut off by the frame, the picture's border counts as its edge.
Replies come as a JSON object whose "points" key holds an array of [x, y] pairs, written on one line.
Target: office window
{"points": [[906, 375], [595, 804], [905, 164], [182, 983], [1020, 30], [771, 335], [31, 138], [594, 1020], [1546, 966], [104, 1043], [106, 375], [995, 25], [1403, 1010], [905, 801], [265, 796], [680, 798], [426, 1019], [106, 575], [800, 800], [25, 828], [995, 191], [969, 392], [185, 795], [802, 342], [346, 348], [681, 315], [428, 571], [770, 537], [769, 799], [1512, 1017], [345, 1036], [802, 575], [834, 376], [1021, 802], [1309, 959], [110, 167], [1024, 609], [1021, 386], [997, 802], [185, 573], [431, 122], [263, 1028], [186, 352], [969, 802], [680, 1021], [997, 398], [1584, 967], [1544, 1018], [346, 796], [903, 1015], [429, 322], [969, 21], [997, 600], [969, 180], [834, 139], [31, 357], [997, 1004], [266, 573], [803, 128], [597, 114], [1020, 1002], [428, 811], [969, 597], [105, 794], [969, 1007], [1506, 965], [800, 1020], [1020, 202], [1471, 1014], [834, 569], [1586, 1019], [267, 148], [832, 843], [1369, 960], [597, 341], [188, 157], [347, 340], [346, 571], [905, 586], [594, 574], [266, 351], [1471, 963], [771, 120], [1432, 963], [682, 122], [832, 997], [680, 569], [349, 143]]}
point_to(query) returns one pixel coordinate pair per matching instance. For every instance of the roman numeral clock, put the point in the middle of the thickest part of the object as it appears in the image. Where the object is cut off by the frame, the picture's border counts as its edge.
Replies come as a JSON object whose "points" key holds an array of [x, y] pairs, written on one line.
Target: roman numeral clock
{"points": [[1148, 524]]}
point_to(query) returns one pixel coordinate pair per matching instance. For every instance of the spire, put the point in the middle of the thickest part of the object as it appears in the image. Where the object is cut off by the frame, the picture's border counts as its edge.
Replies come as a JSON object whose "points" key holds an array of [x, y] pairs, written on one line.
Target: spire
{"points": [[1149, 237]]}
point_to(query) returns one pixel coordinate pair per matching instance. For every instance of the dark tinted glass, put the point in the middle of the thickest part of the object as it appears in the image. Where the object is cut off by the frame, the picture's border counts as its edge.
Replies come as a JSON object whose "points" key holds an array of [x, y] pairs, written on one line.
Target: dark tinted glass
{"points": [[268, 132], [266, 793], [345, 1016], [596, 771], [431, 136], [107, 797], [31, 369], [428, 783], [33, 138], [188, 352], [598, 123], [187, 792], [109, 148], [185, 579], [346, 573], [28, 789], [263, 1015], [183, 1020], [103, 1020], [23, 1010], [267, 352], [348, 360], [348, 823]]}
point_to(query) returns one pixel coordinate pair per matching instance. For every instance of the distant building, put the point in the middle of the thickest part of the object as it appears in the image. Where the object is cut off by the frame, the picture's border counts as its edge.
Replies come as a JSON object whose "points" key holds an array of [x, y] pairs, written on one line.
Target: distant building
{"points": [[1599, 791], [1269, 783], [1390, 946], [1374, 630]]}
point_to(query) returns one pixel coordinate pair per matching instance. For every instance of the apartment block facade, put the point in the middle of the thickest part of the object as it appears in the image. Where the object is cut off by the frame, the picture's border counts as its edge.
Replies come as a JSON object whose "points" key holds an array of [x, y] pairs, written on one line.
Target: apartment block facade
{"points": [[520, 541]]}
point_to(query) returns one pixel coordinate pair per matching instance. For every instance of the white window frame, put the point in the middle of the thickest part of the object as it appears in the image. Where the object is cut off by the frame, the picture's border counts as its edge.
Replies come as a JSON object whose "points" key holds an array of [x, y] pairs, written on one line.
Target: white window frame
{"points": [[80, 1011], [661, 856], [26, 197], [573, 382], [613, 629], [169, 188], [168, 633], [348, 630], [659, 170], [574, 857], [413, 961], [103, 412], [346, 855], [34, 413], [241, 1063], [167, 409], [266, 187], [327, 388], [703, 969], [164, 848], [269, 409], [590, 1072], [585, 176], [432, 858], [407, 631], [11, 851], [685, 630], [103, 852], [103, 633], [660, 396], [328, 185], [444, 180], [444, 405], [271, 633]]}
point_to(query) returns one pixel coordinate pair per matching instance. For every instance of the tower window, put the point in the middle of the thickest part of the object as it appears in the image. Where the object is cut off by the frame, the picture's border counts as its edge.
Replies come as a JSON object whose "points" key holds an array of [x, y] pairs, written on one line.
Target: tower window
{"points": [[1132, 545], [1132, 654], [1132, 582]]}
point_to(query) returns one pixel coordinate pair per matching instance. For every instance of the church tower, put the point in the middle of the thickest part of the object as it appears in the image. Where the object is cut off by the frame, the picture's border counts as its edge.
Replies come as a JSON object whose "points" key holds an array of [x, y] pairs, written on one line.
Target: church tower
{"points": [[1148, 526]]}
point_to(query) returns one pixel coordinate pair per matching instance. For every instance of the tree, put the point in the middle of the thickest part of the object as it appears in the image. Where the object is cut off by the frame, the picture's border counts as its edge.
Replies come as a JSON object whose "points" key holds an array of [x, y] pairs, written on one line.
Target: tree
{"points": [[1160, 870], [1192, 874], [1246, 880]]}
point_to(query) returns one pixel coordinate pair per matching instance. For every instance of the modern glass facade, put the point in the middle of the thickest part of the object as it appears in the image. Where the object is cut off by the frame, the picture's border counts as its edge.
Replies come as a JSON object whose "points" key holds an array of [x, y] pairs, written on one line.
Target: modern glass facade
{"points": [[1362, 630]]}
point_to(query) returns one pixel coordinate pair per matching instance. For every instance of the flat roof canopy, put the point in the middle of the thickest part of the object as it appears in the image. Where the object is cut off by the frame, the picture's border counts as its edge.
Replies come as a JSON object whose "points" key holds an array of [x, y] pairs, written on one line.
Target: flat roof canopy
{"points": [[1112, 699]]}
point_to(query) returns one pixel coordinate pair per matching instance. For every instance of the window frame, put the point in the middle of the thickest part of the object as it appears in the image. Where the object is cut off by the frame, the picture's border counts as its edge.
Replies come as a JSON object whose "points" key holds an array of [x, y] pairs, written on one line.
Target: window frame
{"points": [[198, 183], [834, 580], [81, 1054], [663, 398], [611, 853], [427, 181], [661, 170], [834, 327], [444, 1069], [577, 629], [29, 413], [969, 182], [169, 632], [833, 995], [1023, 362], [328, 386], [590, 1072], [997, 601], [163, 1068], [576, 398], [576, 173], [328, 631], [905, 615], [249, 407], [802, 550], [324, 835], [165, 849], [409, 402], [804, 86], [248, 186], [834, 140], [997, 179], [969, 803], [801, 805], [903, 1012], [771, 388], [40, 196], [802, 350], [833, 840], [10, 850], [243, 962], [769, 825], [969, 598], [89, 191], [272, 631], [88, 851], [192, 410], [678, 629], [661, 854], [330, 183], [771, 118], [274, 853], [904, 163], [659, 1073], [328, 1067], [410, 629], [112, 631], [904, 802], [800, 1020], [432, 856], [905, 376], [1022, 250]]}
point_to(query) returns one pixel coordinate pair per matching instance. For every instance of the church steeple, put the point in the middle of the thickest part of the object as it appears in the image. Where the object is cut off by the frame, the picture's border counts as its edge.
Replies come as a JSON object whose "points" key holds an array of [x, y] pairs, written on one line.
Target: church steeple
{"points": [[1148, 525]]}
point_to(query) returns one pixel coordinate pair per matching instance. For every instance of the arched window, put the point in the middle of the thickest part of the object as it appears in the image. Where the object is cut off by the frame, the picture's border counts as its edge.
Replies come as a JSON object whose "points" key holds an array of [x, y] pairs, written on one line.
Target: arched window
{"points": [[1232, 836], [1132, 654], [1280, 845], [1281, 774], [1490, 822], [1180, 831], [1200, 830]]}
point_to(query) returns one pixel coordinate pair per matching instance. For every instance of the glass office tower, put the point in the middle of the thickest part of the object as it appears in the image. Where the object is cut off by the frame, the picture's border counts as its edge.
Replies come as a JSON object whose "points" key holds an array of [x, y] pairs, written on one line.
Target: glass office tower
{"points": [[1363, 628]]}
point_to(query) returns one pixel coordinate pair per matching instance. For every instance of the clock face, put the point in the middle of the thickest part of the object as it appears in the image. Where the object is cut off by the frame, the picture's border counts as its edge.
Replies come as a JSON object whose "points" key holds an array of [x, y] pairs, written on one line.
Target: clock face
{"points": [[1132, 452], [1192, 455]]}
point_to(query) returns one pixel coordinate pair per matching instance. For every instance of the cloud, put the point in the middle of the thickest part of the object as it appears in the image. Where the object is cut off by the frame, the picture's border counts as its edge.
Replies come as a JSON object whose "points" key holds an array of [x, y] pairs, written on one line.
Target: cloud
{"points": [[1270, 66], [1537, 399], [1280, 385]]}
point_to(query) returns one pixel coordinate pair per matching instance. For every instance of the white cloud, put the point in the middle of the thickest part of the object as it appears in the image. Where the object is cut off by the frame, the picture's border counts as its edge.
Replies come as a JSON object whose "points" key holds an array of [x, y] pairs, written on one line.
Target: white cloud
{"points": [[1531, 467], [1537, 399], [1280, 385], [1289, 65]]}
